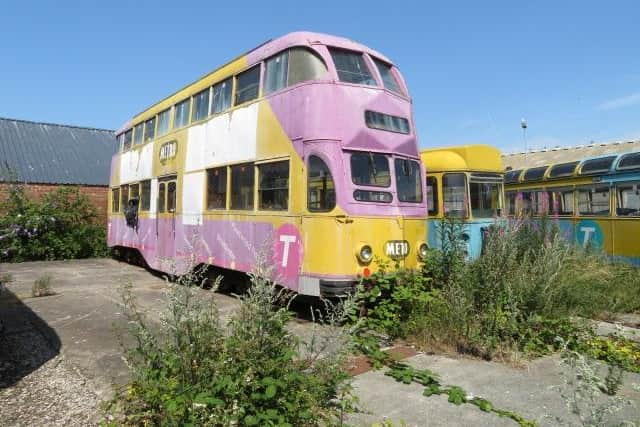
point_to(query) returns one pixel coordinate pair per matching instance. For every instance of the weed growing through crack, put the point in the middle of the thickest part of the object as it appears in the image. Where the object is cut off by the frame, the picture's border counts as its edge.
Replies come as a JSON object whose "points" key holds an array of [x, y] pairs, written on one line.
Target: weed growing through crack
{"points": [[42, 286]]}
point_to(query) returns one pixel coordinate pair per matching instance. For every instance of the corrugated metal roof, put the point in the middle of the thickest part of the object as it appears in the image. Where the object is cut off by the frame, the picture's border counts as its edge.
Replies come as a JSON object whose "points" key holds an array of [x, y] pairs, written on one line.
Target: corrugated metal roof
{"points": [[567, 154], [55, 154]]}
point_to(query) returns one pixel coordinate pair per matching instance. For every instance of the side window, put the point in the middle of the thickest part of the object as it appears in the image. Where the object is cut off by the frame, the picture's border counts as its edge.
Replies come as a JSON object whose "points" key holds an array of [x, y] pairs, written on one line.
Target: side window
{"points": [[134, 191], [149, 129], [526, 202], [321, 192], [124, 195], [137, 133], [247, 85], [388, 78], [273, 191], [542, 203], [593, 201], [511, 202], [171, 196], [276, 72], [200, 105], [291, 67], [145, 195], [217, 188], [242, 181], [352, 67], [161, 196], [454, 188], [181, 114], [628, 199], [163, 122], [222, 96], [432, 195], [127, 140], [115, 200], [304, 65], [561, 201]]}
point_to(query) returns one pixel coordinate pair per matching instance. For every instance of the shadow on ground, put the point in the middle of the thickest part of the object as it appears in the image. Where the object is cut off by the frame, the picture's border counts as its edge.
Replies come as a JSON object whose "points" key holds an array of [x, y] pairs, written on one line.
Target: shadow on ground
{"points": [[26, 341]]}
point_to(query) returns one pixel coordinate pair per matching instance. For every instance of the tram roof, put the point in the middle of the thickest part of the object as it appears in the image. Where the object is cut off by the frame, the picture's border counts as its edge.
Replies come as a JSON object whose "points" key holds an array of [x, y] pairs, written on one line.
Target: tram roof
{"points": [[559, 154], [476, 157], [251, 57]]}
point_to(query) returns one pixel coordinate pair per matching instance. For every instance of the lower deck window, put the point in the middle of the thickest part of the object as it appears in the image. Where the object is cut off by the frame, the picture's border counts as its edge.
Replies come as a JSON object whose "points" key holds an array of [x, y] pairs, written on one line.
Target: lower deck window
{"points": [[242, 180], [145, 195], [432, 195], [273, 192], [115, 200], [171, 196], [454, 188], [124, 195], [408, 180], [485, 199], [162, 191], [562, 202], [321, 191], [593, 201], [628, 199], [217, 188]]}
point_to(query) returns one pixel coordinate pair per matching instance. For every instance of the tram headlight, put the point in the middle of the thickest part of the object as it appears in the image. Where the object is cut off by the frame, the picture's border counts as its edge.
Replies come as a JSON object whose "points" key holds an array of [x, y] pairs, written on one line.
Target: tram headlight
{"points": [[365, 254], [423, 251]]}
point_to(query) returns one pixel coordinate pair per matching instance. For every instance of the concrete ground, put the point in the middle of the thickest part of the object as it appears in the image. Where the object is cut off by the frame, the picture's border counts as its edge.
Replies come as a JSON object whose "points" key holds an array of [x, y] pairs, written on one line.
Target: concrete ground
{"points": [[60, 357]]}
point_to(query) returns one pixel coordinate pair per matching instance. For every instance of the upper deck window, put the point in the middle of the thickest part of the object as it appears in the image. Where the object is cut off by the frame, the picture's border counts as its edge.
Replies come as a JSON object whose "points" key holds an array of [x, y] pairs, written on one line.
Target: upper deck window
{"points": [[200, 105], [291, 67], [247, 85], [535, 174], [163, 122], [181, 114], [149, 129], [127, 140], [629, 161], [511, 177], [562, 170], [388, 78], [408, 180], [370, 169], [137, 134], [222, 96], [351, 67], [388, 122], [597, 165]]}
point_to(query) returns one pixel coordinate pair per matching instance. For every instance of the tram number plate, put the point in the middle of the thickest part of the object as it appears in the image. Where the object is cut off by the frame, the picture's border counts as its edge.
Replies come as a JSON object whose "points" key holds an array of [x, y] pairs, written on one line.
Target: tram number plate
{"points": [[396, 248]]}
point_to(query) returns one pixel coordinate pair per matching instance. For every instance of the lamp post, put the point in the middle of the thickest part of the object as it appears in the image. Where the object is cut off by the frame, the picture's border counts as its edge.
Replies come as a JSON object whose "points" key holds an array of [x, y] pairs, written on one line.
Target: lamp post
{"points": [[523, 125]]}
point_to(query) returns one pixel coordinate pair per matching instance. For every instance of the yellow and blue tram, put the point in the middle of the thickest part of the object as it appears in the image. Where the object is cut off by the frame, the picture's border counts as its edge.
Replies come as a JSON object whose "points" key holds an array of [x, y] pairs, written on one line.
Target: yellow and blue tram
{"points": [[304, 147], [464, 182], [594, 201]]}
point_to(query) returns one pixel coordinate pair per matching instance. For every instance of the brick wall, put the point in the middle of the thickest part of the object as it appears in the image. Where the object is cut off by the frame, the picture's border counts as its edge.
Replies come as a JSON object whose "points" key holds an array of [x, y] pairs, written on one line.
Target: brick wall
{"points": [[97, 195]]}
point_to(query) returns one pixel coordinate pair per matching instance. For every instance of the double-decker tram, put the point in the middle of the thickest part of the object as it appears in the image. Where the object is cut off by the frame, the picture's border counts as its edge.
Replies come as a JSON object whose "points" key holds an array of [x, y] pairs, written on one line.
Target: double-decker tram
{"points": [[303, 148], [464, 182], [594, 201]]}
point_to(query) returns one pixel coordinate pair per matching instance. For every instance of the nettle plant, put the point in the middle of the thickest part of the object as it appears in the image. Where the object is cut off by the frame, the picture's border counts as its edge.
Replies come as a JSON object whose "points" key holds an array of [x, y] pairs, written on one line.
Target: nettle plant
{"points": [[193, 368], [61, 225]]}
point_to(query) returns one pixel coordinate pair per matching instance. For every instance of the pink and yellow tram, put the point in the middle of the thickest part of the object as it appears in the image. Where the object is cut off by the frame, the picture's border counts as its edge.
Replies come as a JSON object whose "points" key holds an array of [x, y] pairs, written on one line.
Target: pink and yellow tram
{"points": [[305, 145]]}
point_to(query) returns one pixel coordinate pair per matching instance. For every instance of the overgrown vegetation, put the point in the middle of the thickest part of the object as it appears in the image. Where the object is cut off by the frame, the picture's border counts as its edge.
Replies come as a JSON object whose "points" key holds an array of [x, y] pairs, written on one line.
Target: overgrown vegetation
{"points": [[252, 371], [61, 225], [525, 290], [42, 286]]}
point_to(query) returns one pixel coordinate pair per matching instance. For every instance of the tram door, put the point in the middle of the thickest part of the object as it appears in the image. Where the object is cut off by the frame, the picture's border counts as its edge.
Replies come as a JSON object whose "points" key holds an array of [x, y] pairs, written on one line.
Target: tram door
{"points": [[166, 221]]}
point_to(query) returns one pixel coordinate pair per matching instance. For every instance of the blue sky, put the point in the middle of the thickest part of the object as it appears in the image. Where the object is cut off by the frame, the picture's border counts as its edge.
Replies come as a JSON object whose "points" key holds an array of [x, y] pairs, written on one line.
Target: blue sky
{"points": [[474, 69]]}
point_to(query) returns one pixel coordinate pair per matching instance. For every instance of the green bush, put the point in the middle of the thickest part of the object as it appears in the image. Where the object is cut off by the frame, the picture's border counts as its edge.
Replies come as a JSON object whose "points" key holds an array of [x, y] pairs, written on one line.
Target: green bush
{"points": [[191, 370], [62, 225]]}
